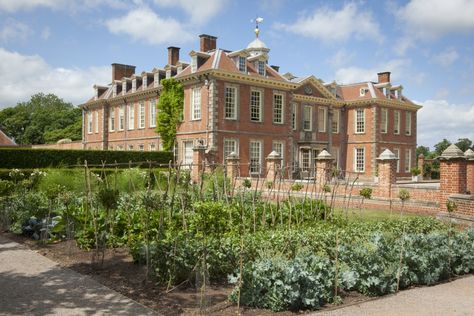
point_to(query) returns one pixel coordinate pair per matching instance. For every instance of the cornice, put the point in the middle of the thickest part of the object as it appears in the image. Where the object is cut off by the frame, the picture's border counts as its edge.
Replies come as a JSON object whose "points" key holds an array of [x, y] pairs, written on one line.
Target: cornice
{"points": [[121, 99], [390, 103], [308, 98]]}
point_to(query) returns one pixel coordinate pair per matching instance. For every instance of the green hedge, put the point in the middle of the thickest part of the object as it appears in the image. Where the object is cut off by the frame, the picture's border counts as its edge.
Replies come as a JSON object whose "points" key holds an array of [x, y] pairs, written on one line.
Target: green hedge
{"points": [[27, 158]]}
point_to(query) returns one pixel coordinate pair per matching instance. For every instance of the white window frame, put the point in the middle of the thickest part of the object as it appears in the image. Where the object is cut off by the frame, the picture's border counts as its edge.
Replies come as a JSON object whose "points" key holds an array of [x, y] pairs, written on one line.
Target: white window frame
{"points": [[383, 120], [408, 123], [112, 120], [336, 117], [121, 120], [196, 104], [281, 150], [294, 115], [152, 113], [396, 122], [396, 152], [255, 168], [322, 119], [141, 147], [242, 64], [230, 102], [130, 147], [141, 115], [357, 155], [96, 114], [89, 122], [194, 63], [256, 107], [187, 157], [230, 145], [359, 128], [407, 160], [305, 118], [261, 68], [152, 147], [131, 116], [278, 113]]}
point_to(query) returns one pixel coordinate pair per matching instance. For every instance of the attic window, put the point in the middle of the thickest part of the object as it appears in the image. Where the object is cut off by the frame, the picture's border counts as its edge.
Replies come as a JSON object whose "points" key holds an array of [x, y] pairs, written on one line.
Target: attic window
{"points": [[242, 64], [134, 85], [194, 64], [261, 67], [362, 92], [145, 81]]}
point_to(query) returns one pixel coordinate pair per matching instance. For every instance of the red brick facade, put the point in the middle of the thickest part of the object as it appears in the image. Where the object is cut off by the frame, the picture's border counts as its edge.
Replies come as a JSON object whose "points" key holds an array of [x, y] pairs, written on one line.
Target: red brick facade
{"points": [[235, 102]]}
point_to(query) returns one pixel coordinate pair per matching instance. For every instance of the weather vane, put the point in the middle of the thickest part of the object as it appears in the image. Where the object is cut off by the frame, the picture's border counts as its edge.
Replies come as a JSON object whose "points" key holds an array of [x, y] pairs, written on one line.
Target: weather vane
{"points": [[258, 20]]}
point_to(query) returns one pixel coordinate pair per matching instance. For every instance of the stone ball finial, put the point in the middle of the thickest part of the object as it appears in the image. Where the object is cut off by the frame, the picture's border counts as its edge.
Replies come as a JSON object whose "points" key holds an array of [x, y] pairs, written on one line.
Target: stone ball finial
{"points": [[387, 155], [324, 155], [421, 156], [452, 152]]}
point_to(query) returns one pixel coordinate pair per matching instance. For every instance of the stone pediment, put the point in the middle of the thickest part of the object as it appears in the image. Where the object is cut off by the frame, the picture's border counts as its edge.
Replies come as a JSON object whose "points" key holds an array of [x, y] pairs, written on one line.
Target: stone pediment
{"points": [[312, 87]]}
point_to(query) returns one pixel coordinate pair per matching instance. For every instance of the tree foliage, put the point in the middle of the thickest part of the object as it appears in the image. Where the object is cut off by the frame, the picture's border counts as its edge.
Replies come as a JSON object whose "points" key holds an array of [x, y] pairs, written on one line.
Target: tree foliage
{"points": [[441, 146], [170, 111], [464, 144], [42, 119]]}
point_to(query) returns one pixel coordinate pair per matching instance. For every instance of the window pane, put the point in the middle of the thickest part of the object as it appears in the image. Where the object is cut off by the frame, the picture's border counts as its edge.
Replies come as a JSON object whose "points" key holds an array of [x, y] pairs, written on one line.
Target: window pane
{"points": [[230, 103], [322, 120], [196, 104], [278, 108], [255, 157], [360, 121], [255, 106]]}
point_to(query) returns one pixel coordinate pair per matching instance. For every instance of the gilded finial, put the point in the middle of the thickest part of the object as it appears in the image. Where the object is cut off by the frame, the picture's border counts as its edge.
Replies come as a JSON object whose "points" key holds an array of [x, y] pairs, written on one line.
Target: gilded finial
{"points": [[258, 20]]}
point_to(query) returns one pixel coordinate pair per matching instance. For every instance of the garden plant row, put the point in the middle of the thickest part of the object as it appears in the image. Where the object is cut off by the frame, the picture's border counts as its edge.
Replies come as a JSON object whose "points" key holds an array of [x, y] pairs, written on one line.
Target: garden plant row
{"points": [[289, 254]]}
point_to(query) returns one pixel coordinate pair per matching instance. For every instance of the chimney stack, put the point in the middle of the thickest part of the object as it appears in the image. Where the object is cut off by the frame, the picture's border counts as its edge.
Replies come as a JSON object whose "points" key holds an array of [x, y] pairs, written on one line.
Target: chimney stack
{"points": [[207, 42], [173, 55], [384, 77], [119, 71]]}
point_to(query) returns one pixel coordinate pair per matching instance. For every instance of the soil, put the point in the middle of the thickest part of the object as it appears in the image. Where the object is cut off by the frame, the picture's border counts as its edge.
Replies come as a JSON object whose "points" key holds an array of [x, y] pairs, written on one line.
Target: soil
{"points": [[121, 274]]}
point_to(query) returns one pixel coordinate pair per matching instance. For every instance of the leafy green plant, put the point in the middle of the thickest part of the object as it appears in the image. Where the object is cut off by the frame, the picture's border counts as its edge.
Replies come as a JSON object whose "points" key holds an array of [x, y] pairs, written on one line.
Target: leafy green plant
{"points": [[415, 171], [296, 186], [170, 109]]}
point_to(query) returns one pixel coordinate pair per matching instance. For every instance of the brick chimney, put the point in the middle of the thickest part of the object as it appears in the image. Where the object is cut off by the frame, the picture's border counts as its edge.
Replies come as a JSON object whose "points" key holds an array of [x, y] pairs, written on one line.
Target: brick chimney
{"points": [[384, 76], [207, 42], [173, 55], [119, 71]]}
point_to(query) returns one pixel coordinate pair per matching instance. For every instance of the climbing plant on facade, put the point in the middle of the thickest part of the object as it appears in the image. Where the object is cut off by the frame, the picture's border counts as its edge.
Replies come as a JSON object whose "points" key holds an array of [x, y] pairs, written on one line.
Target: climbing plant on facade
{"points": [[170, 111]]}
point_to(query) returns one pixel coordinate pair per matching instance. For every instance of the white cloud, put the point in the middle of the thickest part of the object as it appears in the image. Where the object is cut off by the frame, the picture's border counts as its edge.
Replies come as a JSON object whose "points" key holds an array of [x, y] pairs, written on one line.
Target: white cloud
{"points": [[200, 11], [145, 25], [13, 30], [357, 74], [341, 58], [23, 76], [439, 119], [17, 5], [46, 33], [433, 18], [446, 58], [333, 25]]}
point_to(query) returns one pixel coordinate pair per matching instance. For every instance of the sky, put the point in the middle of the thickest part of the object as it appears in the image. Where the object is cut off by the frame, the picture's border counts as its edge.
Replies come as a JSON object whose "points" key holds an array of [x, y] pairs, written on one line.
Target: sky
{"points": [[66, 46]]}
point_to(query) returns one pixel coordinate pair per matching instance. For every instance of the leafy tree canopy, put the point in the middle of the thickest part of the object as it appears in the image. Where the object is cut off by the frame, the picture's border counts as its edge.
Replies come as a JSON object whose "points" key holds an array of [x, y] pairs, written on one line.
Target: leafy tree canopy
{"points": [[42, 119], [422, 150], [464, 144], [170, 111]]}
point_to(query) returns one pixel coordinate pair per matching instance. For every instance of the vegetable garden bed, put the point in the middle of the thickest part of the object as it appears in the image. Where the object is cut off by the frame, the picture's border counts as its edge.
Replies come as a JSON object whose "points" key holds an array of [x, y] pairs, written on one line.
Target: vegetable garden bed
{"points": [[292, 254]]}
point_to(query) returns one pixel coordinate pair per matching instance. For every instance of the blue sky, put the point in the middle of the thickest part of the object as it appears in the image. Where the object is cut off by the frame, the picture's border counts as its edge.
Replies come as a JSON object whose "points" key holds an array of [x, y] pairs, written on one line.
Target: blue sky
{"points": [[65, 46]]}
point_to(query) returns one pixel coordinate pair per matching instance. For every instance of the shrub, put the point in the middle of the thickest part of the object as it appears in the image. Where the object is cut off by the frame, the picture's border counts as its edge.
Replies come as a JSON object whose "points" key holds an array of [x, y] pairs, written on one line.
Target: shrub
{"points": [[24, 158]]}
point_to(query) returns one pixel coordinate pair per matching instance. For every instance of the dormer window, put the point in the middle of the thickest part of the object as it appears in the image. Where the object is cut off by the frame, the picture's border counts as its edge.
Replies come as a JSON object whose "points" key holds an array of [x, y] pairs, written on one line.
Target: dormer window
{"points": [[145, 81], [194, 63], [114, 91], [168, 73], [362, 92], [124, 87], [134, 85], [261, 67], [242, 64], [156, 80]]}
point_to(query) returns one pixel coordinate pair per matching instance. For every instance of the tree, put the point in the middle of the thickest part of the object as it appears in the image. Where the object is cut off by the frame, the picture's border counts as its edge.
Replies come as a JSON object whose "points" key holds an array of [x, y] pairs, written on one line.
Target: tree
{"points": [[464, 144], [44, 118], [170, 111], [422, 150], [441, 146]]}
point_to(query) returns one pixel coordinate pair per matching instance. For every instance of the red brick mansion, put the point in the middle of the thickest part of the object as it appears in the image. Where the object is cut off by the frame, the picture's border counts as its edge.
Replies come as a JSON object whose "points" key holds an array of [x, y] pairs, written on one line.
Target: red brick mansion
{"points": [[236, 102]]}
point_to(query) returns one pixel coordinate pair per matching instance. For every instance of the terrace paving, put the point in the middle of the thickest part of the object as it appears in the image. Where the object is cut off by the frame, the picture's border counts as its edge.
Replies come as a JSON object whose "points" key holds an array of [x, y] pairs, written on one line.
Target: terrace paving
{"points": [[31, 284]]}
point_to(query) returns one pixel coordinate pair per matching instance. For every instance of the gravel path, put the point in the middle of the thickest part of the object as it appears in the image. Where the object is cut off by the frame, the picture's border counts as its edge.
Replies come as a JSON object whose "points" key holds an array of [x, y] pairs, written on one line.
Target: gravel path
{"points": [[31, 284], [453, 298]]}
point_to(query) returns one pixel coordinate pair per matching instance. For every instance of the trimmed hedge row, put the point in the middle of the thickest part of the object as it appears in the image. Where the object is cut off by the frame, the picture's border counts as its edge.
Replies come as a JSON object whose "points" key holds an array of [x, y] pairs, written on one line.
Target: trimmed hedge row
{"points": [[28, 158]]}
